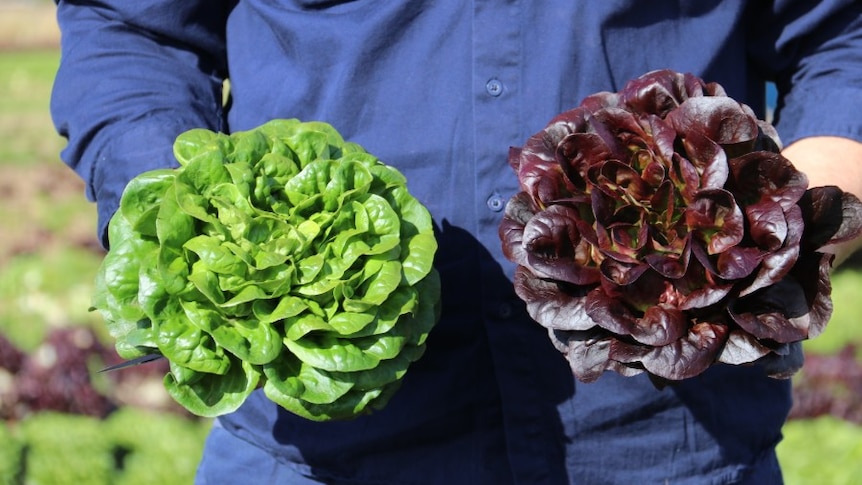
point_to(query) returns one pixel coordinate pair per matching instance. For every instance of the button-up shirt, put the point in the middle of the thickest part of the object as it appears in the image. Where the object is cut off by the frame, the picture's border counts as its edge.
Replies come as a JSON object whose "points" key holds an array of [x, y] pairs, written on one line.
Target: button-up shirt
{"points": [[441, 90]]}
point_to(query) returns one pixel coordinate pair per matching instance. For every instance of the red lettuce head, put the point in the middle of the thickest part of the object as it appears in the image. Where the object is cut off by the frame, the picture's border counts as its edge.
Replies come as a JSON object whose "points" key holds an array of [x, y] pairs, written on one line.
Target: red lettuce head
{"points": [[659, 230]]}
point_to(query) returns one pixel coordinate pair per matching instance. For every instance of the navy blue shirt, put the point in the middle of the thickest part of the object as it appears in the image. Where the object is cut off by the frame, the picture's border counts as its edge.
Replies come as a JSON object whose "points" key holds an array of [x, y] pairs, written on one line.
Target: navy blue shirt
{"points": [[441, 90]]}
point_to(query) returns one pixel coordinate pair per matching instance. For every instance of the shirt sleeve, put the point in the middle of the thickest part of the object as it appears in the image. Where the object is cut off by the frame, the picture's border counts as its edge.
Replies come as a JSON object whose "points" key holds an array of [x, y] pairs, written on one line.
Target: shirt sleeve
{"points": [[814, 53], [132, 76]]}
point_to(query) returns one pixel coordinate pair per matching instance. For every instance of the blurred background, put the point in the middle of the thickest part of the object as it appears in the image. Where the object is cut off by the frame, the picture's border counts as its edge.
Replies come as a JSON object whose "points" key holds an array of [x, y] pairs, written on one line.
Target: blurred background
{"points": [[64, 422]]}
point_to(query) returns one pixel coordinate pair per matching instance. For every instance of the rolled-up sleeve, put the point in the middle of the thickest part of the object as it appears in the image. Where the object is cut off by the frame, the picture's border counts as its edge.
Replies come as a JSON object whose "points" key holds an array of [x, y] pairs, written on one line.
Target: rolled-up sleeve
{"points": [[132, 76], [814, 50]]}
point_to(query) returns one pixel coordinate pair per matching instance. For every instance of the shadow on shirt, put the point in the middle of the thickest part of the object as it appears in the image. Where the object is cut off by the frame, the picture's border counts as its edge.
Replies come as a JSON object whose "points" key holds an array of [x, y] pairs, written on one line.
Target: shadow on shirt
{"points": [[492, 400], [462, 403]]}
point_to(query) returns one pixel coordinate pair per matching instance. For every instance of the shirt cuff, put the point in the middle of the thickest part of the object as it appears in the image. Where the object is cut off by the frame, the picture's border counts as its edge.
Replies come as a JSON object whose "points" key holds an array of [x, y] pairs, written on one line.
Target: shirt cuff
{"points": [[824, 112], [136, 148]]}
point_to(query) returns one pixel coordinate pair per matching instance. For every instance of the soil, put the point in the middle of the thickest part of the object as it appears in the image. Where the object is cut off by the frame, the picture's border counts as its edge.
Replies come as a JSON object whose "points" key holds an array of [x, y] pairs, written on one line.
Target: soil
{"points": [[28, 25]]}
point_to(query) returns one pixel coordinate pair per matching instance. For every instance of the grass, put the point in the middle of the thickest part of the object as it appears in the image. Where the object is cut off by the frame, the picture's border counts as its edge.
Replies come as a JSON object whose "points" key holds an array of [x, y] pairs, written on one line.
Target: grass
{"points": [[48, 261]]}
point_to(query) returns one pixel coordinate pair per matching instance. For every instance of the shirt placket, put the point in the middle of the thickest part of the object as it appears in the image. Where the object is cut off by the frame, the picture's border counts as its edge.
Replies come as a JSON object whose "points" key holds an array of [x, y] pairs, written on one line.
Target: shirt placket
{"points": [[528, 417]]}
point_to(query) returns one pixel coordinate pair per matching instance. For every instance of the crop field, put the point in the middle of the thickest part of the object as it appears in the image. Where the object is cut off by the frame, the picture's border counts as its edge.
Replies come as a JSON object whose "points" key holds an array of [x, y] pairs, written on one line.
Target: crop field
{"points": [[63, 421], [66, 423]]}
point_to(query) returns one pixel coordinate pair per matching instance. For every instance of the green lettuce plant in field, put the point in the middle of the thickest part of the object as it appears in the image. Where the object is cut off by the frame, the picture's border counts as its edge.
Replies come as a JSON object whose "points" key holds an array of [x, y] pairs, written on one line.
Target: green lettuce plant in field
{"points": [[66, 449], [129, 447], [823, 450], [10, 456], [155, 447], [282, 257]]}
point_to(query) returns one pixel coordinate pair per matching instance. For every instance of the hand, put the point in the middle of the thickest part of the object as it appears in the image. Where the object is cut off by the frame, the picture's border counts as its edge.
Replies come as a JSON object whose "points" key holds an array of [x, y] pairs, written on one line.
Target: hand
{"points": [[831, 160]]}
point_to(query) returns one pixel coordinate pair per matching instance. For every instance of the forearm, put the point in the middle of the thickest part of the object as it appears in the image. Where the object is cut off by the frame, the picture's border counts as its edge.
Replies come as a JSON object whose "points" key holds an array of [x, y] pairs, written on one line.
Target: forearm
{"points": [[830, 160], [132, 77]]}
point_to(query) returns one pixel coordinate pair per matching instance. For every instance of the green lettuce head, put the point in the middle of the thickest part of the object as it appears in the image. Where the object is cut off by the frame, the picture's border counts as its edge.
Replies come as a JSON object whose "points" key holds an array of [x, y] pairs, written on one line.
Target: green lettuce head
{"points": [[281, 257]]}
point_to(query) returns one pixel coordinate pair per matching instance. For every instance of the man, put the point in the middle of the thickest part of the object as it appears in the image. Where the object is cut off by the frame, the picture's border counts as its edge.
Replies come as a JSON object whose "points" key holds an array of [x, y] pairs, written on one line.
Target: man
{"points": [[441, 90]]}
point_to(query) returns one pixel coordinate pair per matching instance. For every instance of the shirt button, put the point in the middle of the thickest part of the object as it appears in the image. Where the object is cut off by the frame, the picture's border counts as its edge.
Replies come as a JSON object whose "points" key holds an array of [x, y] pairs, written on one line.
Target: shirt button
{"points": [[505, 310], [496, 202], [494, 87]]}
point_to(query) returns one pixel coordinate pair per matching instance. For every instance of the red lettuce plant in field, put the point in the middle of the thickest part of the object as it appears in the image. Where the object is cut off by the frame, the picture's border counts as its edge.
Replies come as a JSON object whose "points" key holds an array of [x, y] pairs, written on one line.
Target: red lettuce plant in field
{"points": [[55, 376], [658, 229], [59, 376], [829, 385]]}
